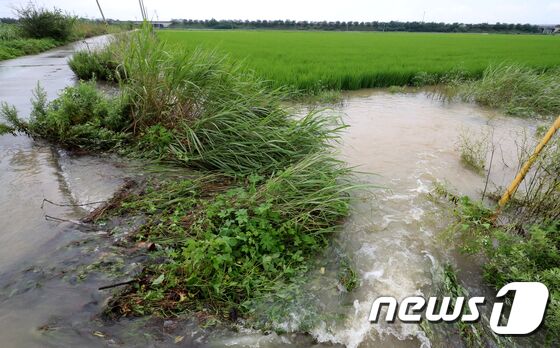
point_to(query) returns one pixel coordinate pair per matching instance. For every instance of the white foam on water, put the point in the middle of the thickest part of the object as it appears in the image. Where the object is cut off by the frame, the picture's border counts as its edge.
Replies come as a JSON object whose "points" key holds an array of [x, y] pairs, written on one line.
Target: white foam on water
{"points": [[398, 197], [388, 219], [358, 331], [376, 274], [421, 188], [416, 213], [352, 334]]}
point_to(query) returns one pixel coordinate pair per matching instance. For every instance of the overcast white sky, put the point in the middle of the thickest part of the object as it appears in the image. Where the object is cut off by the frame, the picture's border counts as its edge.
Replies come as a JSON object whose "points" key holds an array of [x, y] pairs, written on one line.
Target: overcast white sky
{"points": [[474, 11]]}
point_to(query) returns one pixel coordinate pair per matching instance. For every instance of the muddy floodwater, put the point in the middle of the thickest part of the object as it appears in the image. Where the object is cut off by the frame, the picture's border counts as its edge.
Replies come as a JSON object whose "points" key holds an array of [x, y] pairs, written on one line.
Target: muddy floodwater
{"points": [[403, 143], [51, 268]]}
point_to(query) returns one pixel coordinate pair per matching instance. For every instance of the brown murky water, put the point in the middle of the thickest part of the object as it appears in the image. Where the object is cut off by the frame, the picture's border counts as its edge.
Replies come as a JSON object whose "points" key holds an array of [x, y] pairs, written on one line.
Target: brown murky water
{"points": [[34, 252], [407, 140], [30, 171]]}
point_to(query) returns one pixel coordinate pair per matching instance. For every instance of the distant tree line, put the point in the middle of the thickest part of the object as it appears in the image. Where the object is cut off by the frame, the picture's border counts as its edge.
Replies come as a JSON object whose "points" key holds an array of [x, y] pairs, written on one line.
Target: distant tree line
{"points": [[6, 20], [356, 26], [343, 26]]}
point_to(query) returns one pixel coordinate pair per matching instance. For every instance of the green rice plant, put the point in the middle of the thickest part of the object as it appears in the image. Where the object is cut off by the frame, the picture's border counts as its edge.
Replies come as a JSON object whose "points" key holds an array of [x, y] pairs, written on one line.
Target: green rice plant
{"points": [[315, 61], [517, 89]]}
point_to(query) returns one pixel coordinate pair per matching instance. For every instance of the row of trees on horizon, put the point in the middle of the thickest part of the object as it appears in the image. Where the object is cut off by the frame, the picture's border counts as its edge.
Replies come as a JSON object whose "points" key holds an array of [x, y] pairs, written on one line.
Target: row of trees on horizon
{"points": [[344, 26], [356, 26]]}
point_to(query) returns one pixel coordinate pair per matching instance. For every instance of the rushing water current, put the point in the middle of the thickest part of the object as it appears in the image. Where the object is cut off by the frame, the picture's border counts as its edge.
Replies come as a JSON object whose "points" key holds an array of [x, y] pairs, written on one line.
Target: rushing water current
{"points": [[402, 143]]}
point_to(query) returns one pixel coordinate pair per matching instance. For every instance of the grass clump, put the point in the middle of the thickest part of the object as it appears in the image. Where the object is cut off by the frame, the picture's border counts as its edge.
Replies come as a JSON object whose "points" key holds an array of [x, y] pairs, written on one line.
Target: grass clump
{"points": [[529, 255], [80, 118], [9, 32], [39, 23], [347, 276], [225, 251], [267, 196], [14, 48], [98, 65], [397, 89], [517, 89], [473, 334], [202, 110], [473, 149]]}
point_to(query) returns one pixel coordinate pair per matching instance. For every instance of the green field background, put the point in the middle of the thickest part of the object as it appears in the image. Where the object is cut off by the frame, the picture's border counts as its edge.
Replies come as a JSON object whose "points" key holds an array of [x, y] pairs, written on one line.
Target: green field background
{"points": [[353, 60]]}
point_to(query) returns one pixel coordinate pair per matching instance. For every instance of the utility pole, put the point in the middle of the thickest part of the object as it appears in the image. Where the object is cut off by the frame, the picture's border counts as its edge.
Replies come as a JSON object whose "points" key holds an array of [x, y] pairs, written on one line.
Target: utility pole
{"points": [[100, 10], [527, 166]]}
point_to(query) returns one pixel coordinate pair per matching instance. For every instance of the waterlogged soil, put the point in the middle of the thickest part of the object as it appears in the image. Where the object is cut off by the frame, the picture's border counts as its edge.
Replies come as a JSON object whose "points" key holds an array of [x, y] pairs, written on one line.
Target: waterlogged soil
{"points": [[51, 267]]}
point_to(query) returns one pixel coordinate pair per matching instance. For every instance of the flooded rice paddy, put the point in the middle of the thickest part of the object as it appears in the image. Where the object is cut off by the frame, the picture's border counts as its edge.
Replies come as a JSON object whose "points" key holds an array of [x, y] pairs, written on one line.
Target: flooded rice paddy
{"points": [[51, 268]]}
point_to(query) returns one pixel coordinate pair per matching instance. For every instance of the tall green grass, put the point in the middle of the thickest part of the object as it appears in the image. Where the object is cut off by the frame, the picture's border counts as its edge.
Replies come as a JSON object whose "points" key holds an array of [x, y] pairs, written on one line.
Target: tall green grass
{"points": [[202, 109], [353, 60], [9, 32], [13, 43], [19, 47], [517, 89]]}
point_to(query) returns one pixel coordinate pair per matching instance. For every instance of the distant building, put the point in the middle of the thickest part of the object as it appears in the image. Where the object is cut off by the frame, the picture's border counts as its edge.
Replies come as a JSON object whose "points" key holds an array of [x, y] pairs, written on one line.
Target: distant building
{"points": [[161, 25], [550, 29], [157, 24]]}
